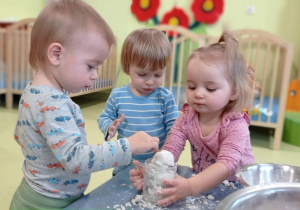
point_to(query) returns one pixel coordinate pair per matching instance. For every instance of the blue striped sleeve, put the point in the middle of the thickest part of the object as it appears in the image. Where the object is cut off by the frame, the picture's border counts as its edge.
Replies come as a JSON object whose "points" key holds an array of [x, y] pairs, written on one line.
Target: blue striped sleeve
{"points": [[171, 111], [108, 115]]}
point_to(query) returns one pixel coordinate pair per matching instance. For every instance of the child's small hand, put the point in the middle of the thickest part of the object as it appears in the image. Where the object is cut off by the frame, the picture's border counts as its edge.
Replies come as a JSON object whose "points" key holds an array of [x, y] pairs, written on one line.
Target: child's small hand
{"points": [[137, 175], [179, 188], [141, 142], [113, 128]]}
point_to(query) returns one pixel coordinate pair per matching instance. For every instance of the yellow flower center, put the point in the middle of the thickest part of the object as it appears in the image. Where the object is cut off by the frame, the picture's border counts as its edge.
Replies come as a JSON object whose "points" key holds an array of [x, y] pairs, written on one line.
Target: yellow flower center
{"points": [[208, 5], [144, 4], [173, 21]]}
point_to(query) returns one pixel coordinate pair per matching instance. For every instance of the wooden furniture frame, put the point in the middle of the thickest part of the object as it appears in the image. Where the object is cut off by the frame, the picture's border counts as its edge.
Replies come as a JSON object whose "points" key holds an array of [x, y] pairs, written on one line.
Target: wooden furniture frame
{"points": [[18, 70], [271, 58]]}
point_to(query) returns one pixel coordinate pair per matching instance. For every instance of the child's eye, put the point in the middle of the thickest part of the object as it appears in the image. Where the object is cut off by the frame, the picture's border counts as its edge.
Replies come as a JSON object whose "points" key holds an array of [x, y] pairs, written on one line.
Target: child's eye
{"points": [[210, 89], [142, 75], [191, 88], [92, 67], [158, 75]]}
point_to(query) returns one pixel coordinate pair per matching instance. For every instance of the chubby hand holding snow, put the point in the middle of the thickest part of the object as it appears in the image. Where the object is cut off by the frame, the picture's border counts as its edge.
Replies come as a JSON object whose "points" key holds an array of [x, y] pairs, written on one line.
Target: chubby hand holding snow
{"points": [[178, 189]]}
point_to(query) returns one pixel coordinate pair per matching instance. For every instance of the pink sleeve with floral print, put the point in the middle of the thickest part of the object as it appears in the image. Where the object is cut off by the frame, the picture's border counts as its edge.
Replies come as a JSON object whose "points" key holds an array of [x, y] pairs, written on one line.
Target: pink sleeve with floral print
{"points": [[175, 141], [235, 149]]}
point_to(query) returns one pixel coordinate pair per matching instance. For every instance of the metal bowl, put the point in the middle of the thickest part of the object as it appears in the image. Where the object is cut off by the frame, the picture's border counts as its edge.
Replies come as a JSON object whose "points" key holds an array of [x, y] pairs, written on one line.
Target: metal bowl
{"points": [[263, 197], [266, 173]]}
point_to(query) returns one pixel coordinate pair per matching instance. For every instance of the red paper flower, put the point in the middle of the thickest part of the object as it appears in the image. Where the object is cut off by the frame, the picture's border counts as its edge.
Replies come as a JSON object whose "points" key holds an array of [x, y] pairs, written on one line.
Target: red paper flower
{"points": [[207, 11], [176, 17], [144, 9]]}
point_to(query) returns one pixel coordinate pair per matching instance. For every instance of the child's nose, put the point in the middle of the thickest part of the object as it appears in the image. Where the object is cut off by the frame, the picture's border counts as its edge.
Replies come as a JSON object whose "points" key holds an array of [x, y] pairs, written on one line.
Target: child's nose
{"points": [[94, 75], [199, 93], [150, 81]]}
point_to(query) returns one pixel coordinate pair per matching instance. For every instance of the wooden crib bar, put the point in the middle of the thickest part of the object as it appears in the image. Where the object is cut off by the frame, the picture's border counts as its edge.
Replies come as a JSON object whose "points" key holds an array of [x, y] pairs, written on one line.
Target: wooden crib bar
{"points": [[2, 61]]}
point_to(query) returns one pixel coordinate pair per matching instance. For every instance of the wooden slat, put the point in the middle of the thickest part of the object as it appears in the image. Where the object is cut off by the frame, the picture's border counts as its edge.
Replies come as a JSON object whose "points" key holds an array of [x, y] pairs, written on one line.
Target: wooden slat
{"points": [[22, 54], [2, 61], [265, 76], [273, 79], [8, 50], [180, 70]]}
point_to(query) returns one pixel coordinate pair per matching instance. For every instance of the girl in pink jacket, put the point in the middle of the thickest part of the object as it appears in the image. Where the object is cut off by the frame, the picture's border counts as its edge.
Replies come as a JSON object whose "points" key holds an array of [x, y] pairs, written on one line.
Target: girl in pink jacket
{"points": [[218, 88]]}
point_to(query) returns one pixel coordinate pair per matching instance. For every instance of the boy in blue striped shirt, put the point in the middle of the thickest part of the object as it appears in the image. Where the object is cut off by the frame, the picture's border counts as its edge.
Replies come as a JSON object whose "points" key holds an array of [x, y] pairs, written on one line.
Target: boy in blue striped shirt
{"points": [[141, 105]]}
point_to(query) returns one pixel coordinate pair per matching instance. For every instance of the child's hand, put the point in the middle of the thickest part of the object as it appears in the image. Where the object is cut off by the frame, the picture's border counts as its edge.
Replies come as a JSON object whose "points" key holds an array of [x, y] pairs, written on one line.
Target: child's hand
{"points": [[179, 188], [113, 128], [137, 175], [141, 142]]}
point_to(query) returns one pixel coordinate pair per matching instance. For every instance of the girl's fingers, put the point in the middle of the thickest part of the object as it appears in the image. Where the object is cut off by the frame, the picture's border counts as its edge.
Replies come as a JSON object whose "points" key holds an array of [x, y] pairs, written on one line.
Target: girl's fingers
{"points": [[171, 182], [165, 202]]}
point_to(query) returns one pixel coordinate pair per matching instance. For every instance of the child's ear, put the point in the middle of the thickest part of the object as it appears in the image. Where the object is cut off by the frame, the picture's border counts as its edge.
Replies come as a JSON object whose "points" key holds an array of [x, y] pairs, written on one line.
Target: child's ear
{"points": [[54, 53], [233, 96]]}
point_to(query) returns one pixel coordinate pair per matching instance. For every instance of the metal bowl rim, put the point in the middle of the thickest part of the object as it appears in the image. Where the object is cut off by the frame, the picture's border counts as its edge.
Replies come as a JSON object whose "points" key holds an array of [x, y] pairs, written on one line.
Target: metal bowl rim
{"points": [[246, 168], [230, 199]]}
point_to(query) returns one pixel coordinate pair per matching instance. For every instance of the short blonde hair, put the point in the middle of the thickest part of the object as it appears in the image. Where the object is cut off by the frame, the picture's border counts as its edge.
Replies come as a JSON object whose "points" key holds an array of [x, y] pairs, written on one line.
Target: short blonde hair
{"points": [[58, 22], [225, 53], [143, 48]]}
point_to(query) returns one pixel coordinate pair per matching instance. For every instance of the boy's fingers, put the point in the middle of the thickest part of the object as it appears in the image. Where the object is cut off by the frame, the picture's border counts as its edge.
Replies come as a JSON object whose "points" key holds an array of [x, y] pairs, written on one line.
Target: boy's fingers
{"points": [[122, 118], [136, 162], [155, 139], [156, 143], [134, 173], [138, 184], [154, 146]]}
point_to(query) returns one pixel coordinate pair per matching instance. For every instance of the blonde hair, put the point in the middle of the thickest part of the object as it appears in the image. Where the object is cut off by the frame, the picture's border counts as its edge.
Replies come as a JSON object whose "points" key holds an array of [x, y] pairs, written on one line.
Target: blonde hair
{"points": [[146, 48], [58, 22], [225, 53]]}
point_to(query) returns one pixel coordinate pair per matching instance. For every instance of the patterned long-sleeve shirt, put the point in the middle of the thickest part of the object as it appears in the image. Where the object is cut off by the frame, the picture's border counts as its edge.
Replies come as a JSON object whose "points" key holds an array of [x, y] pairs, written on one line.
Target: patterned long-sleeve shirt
{"points": [[51, 132], [154, 114], [229, 143]]}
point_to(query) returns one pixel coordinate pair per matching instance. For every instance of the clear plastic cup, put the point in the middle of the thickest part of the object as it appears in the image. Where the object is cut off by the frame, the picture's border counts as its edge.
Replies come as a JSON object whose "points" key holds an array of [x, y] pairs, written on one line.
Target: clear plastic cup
{"points": [[154, 174]]}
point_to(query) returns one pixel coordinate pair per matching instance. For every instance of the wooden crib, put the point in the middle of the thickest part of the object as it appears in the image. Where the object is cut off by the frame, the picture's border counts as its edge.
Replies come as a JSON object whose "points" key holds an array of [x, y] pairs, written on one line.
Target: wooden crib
{"points": [[270, 56], [18, 72]]}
